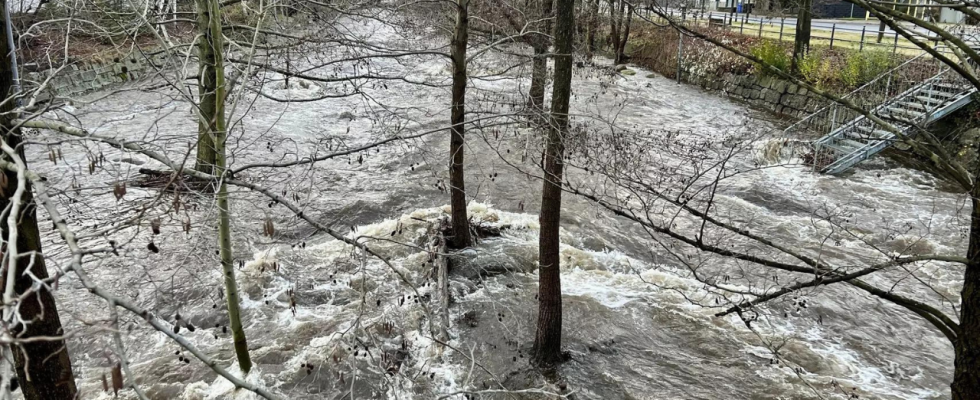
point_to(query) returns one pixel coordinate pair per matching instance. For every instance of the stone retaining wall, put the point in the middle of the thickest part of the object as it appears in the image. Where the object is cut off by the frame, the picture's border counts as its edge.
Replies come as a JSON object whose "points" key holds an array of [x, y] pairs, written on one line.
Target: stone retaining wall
{"points": [[81, 78], [774, 94]]}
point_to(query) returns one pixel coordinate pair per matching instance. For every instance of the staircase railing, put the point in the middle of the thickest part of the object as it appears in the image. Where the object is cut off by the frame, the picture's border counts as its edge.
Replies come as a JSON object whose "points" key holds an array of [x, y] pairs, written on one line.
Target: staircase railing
{"points": [[921, 104], [946, 75], [868, 96]]}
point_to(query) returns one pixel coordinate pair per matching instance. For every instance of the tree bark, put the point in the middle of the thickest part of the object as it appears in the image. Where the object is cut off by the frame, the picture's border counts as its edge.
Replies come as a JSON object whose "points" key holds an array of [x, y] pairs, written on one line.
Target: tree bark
{"points": [[881, 31], [207, 88], [218, 136], [539, 65], [547, 340], [593, 22], [47, 362], [801, 44], [613, 25], [621, 50], [461, 227], [966, 374]]}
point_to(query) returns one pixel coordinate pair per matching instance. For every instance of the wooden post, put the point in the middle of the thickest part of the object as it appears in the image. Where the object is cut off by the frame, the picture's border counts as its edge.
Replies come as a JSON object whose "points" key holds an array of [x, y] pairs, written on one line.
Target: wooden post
{"points": [[833, 29], [741, 27], [895, 45], [760, 28], [442, 279], [782, 24]]}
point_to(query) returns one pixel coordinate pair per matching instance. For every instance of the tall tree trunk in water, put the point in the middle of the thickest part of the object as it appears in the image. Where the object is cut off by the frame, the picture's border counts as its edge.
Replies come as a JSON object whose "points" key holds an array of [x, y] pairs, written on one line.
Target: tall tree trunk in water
{"points": [[207, 93], [801, 45], [218, 135], [47, 361], [593, 27], [547, 340], [621, 50], [461, 226], [966, 375], [539, 65]]}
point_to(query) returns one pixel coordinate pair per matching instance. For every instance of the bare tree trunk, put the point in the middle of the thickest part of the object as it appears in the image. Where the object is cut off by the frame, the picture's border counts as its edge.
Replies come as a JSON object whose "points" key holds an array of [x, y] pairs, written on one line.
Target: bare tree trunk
{"points": [[966, 375], [593, 27], [461, 227], [613, 25], [621, 50], [539, 66], [539, 72], [207, 91], [547, 340], [218, 137], [48, 374], [801, 44]]}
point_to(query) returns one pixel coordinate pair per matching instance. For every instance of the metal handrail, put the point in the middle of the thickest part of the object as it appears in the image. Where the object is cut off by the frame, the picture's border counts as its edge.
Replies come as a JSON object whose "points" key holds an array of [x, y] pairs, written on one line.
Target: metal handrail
{"points": [[851, 93], [873, 146], [887, 103]]}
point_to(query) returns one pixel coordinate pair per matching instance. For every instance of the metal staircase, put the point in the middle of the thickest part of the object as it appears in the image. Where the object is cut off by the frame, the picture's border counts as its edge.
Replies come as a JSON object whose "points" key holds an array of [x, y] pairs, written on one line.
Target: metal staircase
{"points": [[916, 93]]}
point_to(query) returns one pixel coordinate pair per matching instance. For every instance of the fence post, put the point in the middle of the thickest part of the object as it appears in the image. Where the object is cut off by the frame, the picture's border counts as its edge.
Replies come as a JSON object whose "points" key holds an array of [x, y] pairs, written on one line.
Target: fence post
{"points": [[833, 118], [782, 23], [760, 28], [833, 29], [680, 53], [861, 44], [741, 27], [895, 45]]}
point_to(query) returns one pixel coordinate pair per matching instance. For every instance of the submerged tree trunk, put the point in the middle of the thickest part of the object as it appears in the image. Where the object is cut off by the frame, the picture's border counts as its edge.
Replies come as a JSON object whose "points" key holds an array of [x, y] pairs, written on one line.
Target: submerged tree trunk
{"points": [[207, 89], [218, 135], [801, 44], [539, 65], [966, 375], [461, 227], [48, 374], [547, 340]]}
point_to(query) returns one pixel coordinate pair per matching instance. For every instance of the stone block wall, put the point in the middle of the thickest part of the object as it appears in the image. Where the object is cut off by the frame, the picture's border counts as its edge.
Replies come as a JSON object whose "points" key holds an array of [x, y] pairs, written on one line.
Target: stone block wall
{"points": [[81, 78], [771, 93]]}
